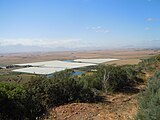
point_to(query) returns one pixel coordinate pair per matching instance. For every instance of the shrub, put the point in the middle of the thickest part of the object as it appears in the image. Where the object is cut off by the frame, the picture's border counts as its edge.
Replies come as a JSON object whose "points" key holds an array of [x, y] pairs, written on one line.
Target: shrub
{"points": [[15, 103], [149, 100], [150, 65], [61, 88], [113, 78]]}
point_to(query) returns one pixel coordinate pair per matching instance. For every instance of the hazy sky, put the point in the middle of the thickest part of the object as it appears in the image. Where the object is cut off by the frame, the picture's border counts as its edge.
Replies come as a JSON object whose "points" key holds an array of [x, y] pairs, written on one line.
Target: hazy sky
{"points": [[78, 24]]}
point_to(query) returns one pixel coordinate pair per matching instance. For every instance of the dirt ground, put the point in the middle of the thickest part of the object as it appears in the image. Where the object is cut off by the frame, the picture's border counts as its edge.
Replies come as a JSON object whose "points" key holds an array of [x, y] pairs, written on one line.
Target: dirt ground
{"points": [[130, 56], [119, 106]]}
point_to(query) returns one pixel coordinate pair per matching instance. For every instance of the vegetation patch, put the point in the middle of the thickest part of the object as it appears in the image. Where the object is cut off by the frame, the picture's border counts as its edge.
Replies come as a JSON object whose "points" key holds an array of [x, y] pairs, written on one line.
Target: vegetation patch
{"points": [[32, 99], [149, 100]]}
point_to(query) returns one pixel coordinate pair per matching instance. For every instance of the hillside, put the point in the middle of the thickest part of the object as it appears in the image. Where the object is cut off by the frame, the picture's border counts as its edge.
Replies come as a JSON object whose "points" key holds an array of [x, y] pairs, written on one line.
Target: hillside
{"points": [[116, 106], [109, 92]]}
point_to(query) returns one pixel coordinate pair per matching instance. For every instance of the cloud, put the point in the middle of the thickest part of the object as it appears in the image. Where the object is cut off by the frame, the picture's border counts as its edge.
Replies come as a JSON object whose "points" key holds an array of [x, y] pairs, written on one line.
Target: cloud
{"points": [[34, 45], [149, 19], [42, 42], [98, 29], [43, 45]]}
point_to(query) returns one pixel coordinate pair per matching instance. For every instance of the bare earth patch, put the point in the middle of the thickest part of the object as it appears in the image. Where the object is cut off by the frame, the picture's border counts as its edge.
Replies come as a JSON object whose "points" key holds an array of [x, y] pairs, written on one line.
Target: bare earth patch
{"points": [[119, 106]]}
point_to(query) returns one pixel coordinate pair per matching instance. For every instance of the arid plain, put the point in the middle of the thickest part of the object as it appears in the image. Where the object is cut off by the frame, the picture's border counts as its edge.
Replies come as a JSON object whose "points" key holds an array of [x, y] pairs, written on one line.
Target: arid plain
{"points": [[127, 56]]}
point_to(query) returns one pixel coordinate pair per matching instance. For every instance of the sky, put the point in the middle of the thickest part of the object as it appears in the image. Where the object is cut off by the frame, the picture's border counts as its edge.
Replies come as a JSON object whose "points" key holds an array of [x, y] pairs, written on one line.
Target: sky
{"points": [[57, 25]]}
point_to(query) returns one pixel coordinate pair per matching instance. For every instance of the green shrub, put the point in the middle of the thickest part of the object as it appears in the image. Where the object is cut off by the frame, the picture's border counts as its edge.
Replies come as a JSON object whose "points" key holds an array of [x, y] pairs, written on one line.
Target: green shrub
{"points": [[113, 78], [149, 100], [15, 103], [61, 88], [150, 65]]}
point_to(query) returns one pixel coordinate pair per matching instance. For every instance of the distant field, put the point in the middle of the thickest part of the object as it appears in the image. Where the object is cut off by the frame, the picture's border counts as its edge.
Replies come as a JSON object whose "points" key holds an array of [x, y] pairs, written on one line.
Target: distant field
{"points": [[127, 56], [15, 77], [125, 62]]}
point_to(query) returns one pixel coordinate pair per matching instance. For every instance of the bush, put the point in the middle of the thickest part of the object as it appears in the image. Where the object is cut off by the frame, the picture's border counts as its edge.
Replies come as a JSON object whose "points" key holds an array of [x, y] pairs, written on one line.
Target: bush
{"points": [[15, 103], [133, 74], [35, 97], [149, 100], [150, 65], [62, 88], [113, 78]]}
